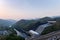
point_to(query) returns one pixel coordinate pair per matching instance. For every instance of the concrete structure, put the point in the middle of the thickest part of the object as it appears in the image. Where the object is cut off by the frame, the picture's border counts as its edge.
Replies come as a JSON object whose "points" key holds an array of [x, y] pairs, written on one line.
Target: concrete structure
{"points": [[20, 34], [42, 27], [51, 36], [51, 21], [39, 30]]}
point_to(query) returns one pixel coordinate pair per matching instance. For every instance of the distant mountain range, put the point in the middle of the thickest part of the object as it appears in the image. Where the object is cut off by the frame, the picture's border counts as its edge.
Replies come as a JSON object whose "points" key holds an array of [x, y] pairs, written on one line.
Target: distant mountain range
{"points": [[6, 22]]}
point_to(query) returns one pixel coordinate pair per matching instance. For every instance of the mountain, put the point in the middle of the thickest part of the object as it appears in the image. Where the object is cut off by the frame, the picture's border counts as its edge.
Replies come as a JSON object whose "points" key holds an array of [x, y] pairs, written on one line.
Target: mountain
{"points": [[6, 22], [28, 24], [24, 26], [11, 20]]}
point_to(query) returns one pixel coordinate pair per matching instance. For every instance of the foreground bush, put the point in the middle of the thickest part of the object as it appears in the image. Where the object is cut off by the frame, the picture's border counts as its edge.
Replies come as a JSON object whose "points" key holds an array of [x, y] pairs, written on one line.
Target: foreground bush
{"points": [[11, 37], [14, 37]]}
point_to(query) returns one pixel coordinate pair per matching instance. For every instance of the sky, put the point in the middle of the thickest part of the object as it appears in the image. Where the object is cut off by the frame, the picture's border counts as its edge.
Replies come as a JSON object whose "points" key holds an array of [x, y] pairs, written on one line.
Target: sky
{"points": [[28, 9]]}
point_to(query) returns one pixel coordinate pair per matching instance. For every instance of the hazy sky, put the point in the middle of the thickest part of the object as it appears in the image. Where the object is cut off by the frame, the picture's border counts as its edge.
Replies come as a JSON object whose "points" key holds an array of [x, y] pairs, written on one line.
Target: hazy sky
{"points": [[27, 9]]}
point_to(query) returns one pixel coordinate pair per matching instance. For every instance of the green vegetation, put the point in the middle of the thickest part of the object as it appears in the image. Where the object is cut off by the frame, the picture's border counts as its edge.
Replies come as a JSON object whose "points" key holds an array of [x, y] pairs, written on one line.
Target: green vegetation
{"points": [[33, 24], [11, 37], [14, 37], [52, 28], [23, 24], [29, 24]]}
